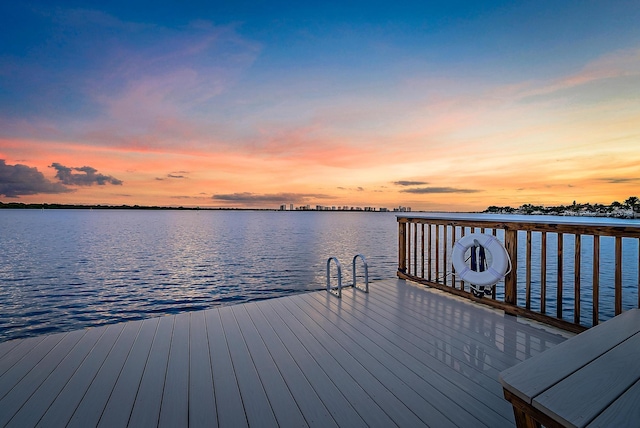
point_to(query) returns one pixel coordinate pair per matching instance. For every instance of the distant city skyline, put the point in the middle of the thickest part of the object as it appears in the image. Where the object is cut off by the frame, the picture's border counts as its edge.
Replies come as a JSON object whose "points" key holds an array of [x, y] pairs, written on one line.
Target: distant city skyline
{"points": [[309, 207], [440, 106]]}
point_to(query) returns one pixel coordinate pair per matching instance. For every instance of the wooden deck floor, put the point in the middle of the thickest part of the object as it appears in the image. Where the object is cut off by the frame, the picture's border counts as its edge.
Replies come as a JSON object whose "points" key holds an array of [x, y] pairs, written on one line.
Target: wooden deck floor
{"points": [[401, 355]]}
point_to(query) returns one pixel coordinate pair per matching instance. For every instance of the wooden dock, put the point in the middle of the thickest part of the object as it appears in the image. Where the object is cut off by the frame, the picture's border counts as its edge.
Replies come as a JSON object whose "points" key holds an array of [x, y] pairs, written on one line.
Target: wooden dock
{"points": [[402, 355]]}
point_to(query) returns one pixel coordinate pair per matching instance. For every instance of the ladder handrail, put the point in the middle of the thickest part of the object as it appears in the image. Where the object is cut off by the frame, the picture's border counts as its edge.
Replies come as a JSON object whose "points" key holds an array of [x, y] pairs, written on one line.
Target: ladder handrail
{"points": [[339, 288], [366, 273]]}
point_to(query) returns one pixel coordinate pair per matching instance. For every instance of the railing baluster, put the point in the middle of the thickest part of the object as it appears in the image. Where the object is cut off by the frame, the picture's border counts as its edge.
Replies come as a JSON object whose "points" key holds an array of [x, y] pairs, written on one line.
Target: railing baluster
{"points": [[528, 274], [576, 280], [415, 246], [618, 276], [453, 271], [543, 273], [462, 233], [422, 252], [493, 290], [444, 254], [438, 253], [409, 226], [596, 279], [559, 279], [429, 249]]}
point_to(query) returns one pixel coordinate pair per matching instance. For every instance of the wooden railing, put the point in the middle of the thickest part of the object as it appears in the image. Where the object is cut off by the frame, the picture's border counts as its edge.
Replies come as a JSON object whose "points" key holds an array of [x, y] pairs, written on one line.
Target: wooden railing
{"points": [[567, 273]]}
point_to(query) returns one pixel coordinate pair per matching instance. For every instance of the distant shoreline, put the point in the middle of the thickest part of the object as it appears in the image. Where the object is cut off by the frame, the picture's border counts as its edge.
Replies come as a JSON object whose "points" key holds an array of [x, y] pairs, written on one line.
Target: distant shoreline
{"points": [[562, 211], [21, 205]]}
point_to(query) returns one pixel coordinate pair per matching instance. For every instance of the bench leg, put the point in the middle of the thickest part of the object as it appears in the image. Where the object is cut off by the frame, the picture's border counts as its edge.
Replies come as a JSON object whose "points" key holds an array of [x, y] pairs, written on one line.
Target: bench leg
{"points": [[525, 415], [524, 420]]}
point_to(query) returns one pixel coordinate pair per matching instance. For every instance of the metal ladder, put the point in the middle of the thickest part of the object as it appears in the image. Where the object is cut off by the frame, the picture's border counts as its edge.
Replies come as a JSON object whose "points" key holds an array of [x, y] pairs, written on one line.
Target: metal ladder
{"points": [[337, 290]]}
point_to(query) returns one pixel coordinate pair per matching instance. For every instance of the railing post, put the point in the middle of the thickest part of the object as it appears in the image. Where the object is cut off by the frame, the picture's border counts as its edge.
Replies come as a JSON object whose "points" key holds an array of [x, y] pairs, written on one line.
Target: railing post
{"points": [[511, 280], [402, 246]]}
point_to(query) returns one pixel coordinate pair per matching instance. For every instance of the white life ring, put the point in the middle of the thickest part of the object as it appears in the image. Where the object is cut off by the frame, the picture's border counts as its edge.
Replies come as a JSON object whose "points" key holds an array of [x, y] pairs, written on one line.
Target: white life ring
{"points": [[494, 273]]}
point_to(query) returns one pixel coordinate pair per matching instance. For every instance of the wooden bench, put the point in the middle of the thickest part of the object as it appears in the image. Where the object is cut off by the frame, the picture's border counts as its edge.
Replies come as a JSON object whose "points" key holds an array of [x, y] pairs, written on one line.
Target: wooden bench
{"points": [[592, 379]]}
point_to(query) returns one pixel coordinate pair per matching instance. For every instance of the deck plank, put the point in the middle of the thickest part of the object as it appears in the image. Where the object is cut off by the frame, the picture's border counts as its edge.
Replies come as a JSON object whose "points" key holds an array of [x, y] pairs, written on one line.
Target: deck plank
{"points": [[229, 405], [93, 403], [32, 410], [516, 339], [6, 347], [452, 315], [423, 372], [255, 400], [283, 404], [174, 411], [331, 377], [410, 408], [461, 355], [146, 408], [21, 392], [19, 365], [202, 400], [65, 404], [18, 351], [120, 404], [402, 355], [305, 378], [471, 361], [424, 381], [477, 358]]}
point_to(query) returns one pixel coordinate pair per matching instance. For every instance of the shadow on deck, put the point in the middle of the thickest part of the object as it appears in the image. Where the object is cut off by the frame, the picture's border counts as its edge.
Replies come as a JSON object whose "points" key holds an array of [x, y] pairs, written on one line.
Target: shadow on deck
{"points": [[401, 355]]}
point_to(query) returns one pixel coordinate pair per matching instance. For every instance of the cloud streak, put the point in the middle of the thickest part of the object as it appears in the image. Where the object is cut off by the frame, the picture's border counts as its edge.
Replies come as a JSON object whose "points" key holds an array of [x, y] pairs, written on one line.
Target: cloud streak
{"points": [[410, 183], [245, 198], [621, 180], [20, 180], [437, 190]]}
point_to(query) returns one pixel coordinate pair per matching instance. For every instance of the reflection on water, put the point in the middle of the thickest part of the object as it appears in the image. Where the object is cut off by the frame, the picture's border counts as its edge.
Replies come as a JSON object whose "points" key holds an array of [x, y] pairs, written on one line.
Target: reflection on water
{"points": [[65, 269]]}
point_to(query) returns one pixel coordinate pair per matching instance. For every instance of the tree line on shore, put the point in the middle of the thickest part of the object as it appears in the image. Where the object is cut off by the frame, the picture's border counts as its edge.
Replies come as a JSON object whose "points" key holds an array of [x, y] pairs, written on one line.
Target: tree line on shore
{"points": [[21, 205], [632, 203]]}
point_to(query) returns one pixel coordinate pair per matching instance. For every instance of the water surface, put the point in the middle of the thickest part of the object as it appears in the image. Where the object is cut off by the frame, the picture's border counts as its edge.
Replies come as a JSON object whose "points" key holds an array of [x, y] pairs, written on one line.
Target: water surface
{"points": [[65, 269]]}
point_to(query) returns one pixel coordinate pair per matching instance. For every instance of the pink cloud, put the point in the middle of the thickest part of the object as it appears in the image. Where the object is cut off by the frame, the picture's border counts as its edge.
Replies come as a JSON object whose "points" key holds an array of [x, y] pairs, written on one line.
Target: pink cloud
{"points": [[623, 63]]}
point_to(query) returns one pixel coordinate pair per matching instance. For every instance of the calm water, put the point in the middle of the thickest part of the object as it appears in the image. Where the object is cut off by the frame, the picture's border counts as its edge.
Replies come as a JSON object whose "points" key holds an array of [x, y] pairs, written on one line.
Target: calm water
{"points": [[65, 269]]}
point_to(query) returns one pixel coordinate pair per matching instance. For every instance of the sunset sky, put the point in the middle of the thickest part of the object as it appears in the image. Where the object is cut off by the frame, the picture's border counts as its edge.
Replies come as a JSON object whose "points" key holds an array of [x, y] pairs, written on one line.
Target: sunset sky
{"points": [[436, 105]]}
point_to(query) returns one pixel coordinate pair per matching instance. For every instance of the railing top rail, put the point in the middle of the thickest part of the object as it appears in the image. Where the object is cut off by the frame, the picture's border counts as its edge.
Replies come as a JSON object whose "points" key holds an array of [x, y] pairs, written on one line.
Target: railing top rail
{"points": [[608, 227]]}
